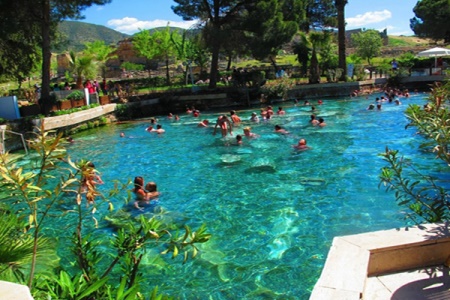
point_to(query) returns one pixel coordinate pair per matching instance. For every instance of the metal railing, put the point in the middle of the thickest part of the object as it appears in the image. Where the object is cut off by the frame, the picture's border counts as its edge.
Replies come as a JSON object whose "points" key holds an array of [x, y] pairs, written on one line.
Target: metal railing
{"points": [[2, 141]]}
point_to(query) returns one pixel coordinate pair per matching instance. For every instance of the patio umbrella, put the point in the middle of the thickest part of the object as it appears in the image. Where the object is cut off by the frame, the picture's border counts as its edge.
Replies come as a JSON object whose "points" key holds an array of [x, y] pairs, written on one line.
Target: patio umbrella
{"points": [[434, 52]]}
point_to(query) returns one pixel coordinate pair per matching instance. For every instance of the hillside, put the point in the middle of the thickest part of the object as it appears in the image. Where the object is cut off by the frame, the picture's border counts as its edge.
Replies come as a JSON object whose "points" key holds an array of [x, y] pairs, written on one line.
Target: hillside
{"points": [[407, 41], [75, 34]]}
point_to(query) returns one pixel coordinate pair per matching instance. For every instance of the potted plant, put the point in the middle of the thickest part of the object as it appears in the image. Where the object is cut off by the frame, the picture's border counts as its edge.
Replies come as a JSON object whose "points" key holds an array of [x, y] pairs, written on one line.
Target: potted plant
{"points": [[104, 100], [77, 98], [65, 104]]}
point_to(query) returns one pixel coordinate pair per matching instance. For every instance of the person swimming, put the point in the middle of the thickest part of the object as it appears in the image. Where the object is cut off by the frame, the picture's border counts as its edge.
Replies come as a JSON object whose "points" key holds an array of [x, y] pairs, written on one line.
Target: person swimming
{"points": [[249, 134], [203, 123], [280, 129], [143, 196], [301, 145]]}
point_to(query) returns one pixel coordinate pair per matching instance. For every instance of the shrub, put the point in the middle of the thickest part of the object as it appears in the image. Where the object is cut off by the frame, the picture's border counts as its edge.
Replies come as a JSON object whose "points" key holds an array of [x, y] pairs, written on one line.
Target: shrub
{"points": [[76, 95], [277, 88]]}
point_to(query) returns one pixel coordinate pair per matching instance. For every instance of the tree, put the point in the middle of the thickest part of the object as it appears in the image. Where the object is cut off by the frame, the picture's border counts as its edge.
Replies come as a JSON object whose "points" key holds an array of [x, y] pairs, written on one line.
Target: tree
{"points": [[101, 53], [270, 25], [214, 14], [302, 48], [340, 6], [368, 44], [161, 44], [19, 40], [318, 40], [190, 49], [318, 14], [431, 20], [82, 65], [47, 14], [164, 47], [234, 45], [142, 43]]}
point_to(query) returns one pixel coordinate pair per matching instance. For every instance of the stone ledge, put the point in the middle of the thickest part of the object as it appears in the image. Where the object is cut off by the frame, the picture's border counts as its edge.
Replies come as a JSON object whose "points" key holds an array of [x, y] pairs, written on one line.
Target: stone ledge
{"points": [[9, 291], [354, 258], [75, 118]]}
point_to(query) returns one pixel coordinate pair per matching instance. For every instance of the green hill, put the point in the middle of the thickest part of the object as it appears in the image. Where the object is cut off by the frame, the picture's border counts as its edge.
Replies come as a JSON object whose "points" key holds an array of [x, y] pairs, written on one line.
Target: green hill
{"points": [[74, 34]]}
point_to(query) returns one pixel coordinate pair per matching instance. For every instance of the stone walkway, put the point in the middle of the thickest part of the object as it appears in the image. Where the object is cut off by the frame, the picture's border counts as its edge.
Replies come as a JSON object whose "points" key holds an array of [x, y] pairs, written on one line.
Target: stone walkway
{"points": [[426, 283]]}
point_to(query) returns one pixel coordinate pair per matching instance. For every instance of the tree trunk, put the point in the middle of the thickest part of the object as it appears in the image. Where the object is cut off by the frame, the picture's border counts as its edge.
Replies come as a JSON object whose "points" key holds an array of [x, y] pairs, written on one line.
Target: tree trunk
{"points": [[314, 73], [167, 72], [229, 62], [340, 6], [215, 49], [214, 65], [46, 58], [274, 63]]}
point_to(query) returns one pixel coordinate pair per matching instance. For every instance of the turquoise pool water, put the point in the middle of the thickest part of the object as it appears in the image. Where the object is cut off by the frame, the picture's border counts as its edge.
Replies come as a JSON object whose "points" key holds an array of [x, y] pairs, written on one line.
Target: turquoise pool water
{"points": [[272, 211]]}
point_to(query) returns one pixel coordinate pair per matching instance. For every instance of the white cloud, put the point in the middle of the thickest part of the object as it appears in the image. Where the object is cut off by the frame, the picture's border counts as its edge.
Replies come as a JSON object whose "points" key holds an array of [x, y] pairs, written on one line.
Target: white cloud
{"points": [[369, 17], [131, 25], [392, 30]]}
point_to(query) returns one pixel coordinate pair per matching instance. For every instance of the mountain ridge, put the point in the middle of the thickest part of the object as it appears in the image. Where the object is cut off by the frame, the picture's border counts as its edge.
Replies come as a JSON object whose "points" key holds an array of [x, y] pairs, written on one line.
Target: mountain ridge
{"points": [[75, 34]]}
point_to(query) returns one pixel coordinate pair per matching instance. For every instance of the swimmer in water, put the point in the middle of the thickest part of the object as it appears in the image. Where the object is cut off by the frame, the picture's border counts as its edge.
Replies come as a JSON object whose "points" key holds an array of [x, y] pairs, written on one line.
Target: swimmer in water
{"points": [[301, 145], [225, 125]]}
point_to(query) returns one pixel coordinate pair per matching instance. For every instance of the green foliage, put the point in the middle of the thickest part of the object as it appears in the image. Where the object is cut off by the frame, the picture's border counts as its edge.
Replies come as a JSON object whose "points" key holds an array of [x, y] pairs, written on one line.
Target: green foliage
{"points": [[277, 89], [302, 49], [123, 112], [83, 65], [16, 248], [368, 44], [129, 66], [394, 81], [76, 95], [400, 42], [426, 200], [93, 274], [19, 40], [101, 53], [158, 45], [431, 19]]}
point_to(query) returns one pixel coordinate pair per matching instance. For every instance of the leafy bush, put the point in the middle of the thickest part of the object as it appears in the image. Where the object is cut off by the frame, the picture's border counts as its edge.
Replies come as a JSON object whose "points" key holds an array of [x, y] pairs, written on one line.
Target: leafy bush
{"points": [[123, 112], [31, 196], [129, 66], [277, 89], [75, 95]]}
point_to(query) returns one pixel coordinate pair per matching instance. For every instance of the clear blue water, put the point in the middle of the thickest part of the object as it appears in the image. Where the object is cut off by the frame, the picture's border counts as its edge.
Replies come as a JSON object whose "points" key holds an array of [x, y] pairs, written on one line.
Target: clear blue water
{"points": [[272, 211]]}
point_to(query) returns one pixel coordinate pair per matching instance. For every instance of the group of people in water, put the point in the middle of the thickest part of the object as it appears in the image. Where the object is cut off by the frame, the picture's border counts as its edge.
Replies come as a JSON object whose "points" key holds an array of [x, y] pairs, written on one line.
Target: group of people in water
{"points": [[226, 123], [144, 194]]}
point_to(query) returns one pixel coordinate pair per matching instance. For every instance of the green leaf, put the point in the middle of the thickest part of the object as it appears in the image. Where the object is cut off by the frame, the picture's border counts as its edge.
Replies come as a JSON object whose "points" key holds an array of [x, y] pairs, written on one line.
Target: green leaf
{"points": [[93, 288]]}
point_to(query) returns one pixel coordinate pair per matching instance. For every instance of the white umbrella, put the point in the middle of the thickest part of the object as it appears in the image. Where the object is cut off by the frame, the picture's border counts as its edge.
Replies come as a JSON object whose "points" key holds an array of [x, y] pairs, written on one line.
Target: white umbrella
{"points": [[434, 52]]}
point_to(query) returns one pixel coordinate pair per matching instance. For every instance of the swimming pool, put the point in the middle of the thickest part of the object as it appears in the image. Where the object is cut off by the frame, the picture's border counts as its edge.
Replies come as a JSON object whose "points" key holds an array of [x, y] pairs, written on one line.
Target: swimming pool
{"points": [[272, 211]]}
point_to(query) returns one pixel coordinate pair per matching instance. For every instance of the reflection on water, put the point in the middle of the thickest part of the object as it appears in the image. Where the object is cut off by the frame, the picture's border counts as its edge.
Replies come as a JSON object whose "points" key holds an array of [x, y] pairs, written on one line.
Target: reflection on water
{"points": [[273, 211]]}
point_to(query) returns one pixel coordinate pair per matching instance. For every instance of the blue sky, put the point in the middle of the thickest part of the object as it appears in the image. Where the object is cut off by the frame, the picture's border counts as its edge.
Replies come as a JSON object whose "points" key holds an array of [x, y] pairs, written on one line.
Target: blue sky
{"points": [[129, 16]]}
